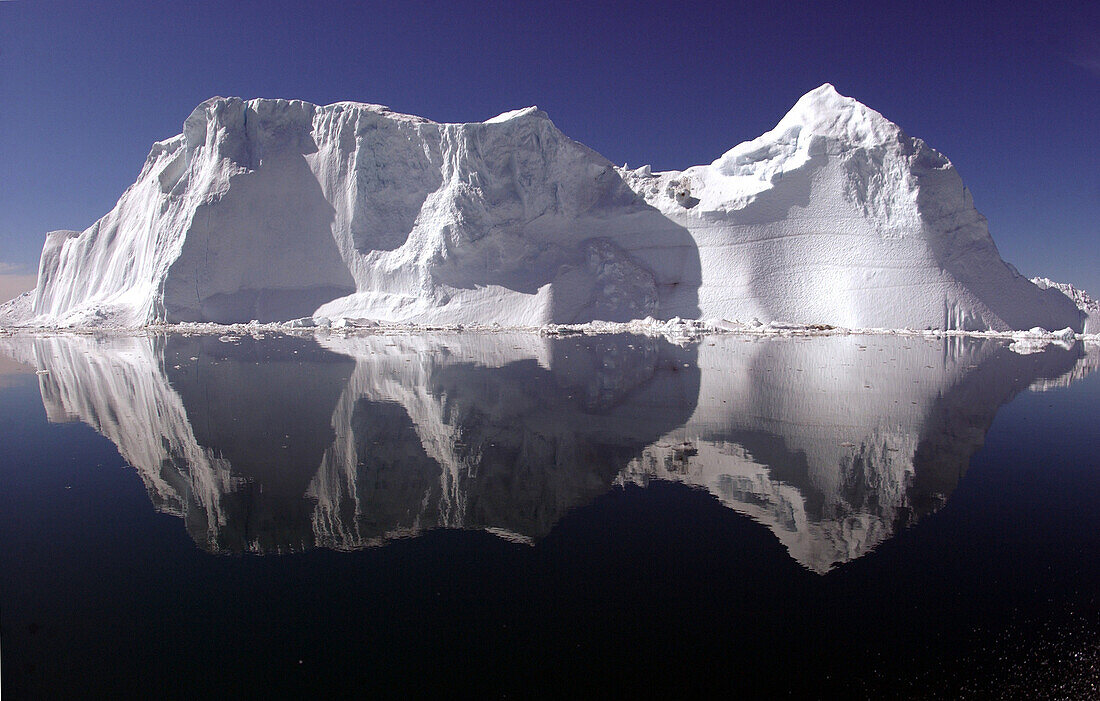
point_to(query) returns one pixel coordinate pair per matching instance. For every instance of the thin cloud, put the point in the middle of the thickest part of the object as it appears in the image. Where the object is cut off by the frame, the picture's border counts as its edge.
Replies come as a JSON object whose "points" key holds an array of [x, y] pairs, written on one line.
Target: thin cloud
{"points": [[1089, 63], [14, 268], [15, 279], [1076, 38], [15, 285], [1084, 51]]}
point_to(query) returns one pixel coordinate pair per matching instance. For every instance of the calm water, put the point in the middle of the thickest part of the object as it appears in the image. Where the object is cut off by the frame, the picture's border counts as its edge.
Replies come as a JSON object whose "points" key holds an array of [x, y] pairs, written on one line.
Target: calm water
{"points": [[522, 516]]}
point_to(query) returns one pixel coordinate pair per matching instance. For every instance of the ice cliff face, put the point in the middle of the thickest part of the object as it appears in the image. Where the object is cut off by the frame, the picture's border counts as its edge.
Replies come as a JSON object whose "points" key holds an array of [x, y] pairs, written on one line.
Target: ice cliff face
{"points": [[275, 209], [272, 210]]}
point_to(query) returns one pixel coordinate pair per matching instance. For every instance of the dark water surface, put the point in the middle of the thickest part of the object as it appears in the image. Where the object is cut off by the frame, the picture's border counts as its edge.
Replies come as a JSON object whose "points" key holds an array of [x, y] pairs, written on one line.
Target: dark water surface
{"points": [[521, 516]]}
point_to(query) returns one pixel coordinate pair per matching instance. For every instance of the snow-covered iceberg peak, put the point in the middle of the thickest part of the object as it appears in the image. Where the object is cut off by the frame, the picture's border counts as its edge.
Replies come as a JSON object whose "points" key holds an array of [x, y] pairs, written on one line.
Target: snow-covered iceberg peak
{"points": [[836, 216], [532, 111], [825, 112], [819, 116]]}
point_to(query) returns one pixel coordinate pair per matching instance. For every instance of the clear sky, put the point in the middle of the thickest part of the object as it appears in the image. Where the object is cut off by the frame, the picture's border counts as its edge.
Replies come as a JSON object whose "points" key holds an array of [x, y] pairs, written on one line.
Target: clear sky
{"points": [[1010, 92]]}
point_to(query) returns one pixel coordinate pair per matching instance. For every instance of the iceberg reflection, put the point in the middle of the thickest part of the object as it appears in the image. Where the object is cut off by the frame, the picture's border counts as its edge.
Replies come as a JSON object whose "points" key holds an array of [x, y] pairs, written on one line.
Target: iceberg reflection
{"points": [[286, 443]]}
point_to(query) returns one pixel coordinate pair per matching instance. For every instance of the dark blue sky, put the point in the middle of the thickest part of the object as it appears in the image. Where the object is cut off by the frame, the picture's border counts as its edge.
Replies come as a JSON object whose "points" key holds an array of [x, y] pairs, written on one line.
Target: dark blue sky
{"points": [[1010, 93]]}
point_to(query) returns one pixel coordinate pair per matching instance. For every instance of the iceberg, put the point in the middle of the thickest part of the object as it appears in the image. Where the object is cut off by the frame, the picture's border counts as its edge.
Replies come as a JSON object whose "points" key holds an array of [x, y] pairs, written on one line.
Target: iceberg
{"points": [[1089, 306], [280, 210]]}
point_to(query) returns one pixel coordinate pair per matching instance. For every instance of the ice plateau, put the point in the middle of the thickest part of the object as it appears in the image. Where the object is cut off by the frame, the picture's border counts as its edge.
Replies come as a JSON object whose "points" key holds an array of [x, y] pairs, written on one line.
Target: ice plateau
{"points": [[273, 210]]}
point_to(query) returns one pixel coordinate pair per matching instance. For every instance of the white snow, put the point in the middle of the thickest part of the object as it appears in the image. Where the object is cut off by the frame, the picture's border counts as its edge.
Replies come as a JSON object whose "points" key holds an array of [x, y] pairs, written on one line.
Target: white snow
{"points": [[17, 310], [276, 210], [514, 114]]}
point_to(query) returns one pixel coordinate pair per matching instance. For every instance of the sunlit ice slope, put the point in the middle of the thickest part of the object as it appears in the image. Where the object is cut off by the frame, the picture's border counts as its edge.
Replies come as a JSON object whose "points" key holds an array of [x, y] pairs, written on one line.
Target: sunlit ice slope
{"points": [[837, 216]]}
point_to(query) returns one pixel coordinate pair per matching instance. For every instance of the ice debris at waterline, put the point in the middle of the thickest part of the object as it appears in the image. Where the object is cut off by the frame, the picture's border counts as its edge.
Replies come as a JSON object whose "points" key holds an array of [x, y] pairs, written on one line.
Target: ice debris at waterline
{"points": [[272, 210]]}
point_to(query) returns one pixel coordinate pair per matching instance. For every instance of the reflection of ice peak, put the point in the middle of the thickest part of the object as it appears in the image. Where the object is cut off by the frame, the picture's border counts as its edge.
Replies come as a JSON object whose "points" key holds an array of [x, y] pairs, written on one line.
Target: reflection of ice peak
{"points": [[268, 446], [1088, 363], [835, 443], [484, 432], [117, 387]]}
